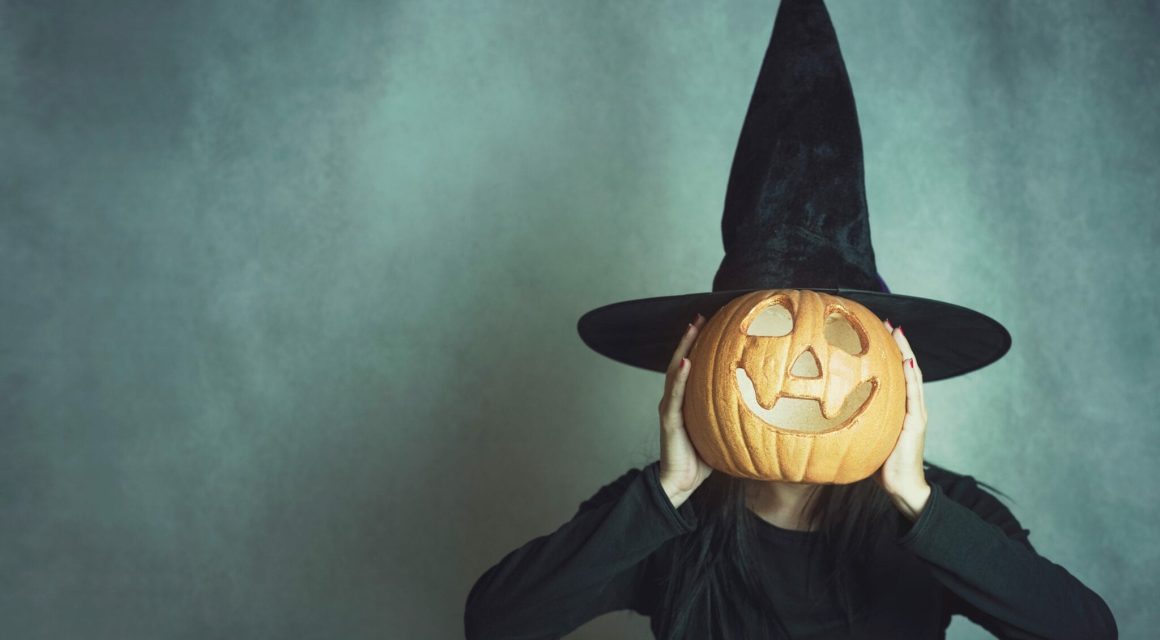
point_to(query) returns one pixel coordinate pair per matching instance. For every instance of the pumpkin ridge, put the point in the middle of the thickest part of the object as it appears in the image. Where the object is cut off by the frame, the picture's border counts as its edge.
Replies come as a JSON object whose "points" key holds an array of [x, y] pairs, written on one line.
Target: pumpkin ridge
{"points": [[741, 309], [842, 457], [786, 353], [716, 419], [809, 454], [731, 457]]}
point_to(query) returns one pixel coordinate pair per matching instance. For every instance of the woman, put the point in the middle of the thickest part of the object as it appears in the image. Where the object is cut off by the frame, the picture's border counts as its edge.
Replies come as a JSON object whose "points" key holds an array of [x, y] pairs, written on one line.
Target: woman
{"points": [[707, 555]]}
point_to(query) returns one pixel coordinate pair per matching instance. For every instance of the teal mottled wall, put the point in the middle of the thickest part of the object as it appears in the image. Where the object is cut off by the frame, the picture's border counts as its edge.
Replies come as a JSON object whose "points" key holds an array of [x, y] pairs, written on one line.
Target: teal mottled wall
{"points": [[288, 290]]}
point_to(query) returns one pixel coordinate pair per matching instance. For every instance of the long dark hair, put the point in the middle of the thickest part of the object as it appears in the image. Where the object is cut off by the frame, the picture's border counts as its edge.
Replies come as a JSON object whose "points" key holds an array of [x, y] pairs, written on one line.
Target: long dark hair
{"points": [[715, 567]]}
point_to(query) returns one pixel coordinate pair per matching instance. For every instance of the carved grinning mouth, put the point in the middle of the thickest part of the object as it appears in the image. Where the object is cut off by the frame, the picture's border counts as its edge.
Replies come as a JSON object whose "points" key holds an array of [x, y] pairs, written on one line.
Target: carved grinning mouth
{"points": [[791, 413]]}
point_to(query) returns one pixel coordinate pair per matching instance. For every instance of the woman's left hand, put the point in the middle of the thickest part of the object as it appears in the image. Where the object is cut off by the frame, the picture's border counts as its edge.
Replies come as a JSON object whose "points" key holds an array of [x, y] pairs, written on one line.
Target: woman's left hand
{"points": [[902, 476]]}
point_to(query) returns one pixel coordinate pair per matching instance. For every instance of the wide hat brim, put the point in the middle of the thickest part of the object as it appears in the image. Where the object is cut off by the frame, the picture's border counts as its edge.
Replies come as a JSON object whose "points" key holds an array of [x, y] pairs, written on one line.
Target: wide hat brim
{"points": [[948, 340]]}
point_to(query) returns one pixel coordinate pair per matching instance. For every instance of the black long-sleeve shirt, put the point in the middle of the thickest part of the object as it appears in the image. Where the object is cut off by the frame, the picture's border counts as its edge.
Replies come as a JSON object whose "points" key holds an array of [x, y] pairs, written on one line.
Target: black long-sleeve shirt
{"points": [[965, 554]]}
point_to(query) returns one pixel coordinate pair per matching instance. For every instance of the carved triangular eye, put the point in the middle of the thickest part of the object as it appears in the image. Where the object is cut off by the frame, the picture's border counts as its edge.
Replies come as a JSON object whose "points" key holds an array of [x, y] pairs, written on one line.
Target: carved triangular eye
{"points": [[841, 333], [772, 321]]}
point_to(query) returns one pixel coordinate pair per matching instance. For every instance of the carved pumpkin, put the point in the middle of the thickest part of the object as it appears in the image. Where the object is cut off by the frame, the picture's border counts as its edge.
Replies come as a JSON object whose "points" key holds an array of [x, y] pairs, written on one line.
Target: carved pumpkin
{"points": [[797, 386]]}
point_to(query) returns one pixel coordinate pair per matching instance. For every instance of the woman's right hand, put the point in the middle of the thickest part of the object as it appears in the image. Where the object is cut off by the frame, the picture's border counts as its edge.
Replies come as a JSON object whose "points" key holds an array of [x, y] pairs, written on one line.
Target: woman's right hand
{"points": [[681, 469]]}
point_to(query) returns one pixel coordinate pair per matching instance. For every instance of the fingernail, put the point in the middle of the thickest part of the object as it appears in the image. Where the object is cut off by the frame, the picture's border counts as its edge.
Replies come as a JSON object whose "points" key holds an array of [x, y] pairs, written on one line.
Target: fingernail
{"points": [[912, 363], [689, 328], [888, 325], [698, 318], [900, 330]]}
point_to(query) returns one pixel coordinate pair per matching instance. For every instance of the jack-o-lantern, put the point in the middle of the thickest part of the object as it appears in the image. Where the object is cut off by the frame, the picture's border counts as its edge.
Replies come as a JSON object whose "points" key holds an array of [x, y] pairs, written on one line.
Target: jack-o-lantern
{"points": [[797, 386]]}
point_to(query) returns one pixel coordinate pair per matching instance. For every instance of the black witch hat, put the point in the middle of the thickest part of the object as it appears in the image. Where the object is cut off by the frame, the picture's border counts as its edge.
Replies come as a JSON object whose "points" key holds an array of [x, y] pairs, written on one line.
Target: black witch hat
{"points": [[796, 218]]}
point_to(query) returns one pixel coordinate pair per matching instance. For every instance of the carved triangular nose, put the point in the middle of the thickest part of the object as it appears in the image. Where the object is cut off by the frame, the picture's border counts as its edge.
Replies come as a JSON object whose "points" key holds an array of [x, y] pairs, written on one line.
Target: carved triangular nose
{"points": [[806, 365]]}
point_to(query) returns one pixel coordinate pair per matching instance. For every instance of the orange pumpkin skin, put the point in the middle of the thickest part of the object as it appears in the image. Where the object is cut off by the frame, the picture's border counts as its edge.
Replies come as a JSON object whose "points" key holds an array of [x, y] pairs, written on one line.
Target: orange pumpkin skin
{"points": [[838, 440]]}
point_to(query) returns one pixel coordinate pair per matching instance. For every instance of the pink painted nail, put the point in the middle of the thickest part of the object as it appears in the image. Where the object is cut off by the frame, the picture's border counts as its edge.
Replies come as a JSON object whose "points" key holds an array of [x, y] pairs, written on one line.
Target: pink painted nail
{"points": [[912, 363]]}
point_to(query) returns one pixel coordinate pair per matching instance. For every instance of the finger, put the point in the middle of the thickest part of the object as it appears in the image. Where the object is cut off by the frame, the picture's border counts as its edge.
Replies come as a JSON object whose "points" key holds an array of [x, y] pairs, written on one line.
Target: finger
{"points": [[676, 393], [903, 343], [913, 399], [691, 338], [683, 346], [916, 372], [908, 354], [921, 388], [911, 392]]}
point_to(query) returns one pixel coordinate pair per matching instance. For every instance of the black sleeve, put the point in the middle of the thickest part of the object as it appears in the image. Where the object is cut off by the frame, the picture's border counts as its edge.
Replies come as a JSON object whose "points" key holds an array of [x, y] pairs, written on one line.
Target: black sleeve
{"points": [[981, 554], [592, 564]]}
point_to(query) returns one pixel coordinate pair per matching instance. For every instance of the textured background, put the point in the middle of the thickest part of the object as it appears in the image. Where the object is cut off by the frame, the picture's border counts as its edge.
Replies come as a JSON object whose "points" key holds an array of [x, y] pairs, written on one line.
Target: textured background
{"points": [[289, 289]]}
